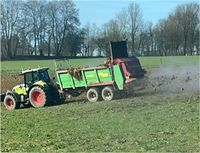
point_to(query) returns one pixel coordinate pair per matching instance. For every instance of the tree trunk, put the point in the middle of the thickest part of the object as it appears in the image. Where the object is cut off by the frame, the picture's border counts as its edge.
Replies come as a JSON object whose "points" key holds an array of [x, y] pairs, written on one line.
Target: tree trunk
{"points": [[49, 47], [133, 45], [184, 47]]}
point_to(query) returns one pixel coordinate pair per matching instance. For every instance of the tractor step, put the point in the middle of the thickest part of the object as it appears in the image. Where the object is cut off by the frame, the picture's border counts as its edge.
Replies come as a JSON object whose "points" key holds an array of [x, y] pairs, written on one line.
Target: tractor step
{"points": [[3, 96]]}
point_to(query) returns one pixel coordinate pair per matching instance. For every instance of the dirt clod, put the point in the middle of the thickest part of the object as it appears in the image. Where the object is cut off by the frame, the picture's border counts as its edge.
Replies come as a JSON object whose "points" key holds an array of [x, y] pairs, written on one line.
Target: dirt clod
{"points": [[174, 79]]}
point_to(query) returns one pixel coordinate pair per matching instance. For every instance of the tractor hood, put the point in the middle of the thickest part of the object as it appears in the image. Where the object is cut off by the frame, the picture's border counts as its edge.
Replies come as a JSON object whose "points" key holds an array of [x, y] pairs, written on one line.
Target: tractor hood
{"points": [[20, 89]]}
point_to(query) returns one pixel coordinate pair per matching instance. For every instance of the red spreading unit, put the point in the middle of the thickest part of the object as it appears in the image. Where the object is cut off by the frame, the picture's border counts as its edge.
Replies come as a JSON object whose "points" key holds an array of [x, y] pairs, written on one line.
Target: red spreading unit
{"points": [[129, 65]]}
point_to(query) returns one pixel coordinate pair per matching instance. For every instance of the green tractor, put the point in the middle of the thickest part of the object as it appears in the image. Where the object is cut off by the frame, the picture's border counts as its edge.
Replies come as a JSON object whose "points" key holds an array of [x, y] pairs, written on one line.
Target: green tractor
{"points": [[37, 90]]}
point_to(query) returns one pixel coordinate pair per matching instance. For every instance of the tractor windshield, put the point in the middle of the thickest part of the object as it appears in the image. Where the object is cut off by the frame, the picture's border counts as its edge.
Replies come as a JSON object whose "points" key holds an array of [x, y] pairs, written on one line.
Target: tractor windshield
{"points": [[44, 75]]}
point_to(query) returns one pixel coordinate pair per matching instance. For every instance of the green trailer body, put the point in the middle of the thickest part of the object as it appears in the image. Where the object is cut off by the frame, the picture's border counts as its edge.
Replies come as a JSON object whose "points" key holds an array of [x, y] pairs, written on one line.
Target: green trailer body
{"points": [[101, 82], [90, 77]]}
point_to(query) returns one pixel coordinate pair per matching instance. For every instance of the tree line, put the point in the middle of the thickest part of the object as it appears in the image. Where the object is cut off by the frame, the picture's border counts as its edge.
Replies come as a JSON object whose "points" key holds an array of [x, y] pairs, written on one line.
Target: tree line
{"points": [[178, 34], [52, 28], [42, 28]]}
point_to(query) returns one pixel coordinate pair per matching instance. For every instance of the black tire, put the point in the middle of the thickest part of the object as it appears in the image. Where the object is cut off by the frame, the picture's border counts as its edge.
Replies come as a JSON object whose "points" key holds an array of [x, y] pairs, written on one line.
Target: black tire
{"points": [[93, 94], [54, 97], [37, 97], [11, 103], [107, 93]]}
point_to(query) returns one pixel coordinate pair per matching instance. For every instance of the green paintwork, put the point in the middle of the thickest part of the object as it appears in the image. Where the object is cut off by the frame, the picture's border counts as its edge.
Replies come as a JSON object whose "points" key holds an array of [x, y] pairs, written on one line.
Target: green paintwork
{"points": [[96, 76], [105, 75], [65, 80], [91, 76], [118, 77], [79, 83]]}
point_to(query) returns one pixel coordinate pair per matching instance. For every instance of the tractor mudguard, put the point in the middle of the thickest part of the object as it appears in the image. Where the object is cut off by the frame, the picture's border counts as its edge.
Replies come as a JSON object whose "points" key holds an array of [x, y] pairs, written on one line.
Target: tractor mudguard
{"points": [[40, 83], [43, 87]]}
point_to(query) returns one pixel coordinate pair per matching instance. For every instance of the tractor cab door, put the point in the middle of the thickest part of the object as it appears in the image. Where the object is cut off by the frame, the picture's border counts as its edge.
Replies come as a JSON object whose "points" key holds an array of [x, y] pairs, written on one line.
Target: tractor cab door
{"points": [[30, 78]]}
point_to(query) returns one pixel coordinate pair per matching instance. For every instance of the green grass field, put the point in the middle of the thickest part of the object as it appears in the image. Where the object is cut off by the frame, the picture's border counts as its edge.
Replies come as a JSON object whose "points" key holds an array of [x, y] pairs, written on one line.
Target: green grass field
{"points": [[144, 122], [145, 61], [134, 125]]}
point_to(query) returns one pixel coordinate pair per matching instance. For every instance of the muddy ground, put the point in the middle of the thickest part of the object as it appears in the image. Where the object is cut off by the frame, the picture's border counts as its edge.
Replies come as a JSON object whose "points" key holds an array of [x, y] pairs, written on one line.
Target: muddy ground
{"points": [[180, 79], [163, 81]]}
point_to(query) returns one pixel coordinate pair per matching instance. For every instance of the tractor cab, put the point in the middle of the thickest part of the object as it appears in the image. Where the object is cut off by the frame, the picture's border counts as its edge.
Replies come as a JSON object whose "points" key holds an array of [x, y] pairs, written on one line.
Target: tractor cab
{"points": [[31, 76]]}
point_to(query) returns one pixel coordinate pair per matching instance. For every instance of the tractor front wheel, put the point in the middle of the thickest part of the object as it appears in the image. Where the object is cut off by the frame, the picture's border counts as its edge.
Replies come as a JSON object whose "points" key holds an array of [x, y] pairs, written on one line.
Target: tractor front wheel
{"points": [[93, 94], [107, 93], [11, 103], [37, 97]]}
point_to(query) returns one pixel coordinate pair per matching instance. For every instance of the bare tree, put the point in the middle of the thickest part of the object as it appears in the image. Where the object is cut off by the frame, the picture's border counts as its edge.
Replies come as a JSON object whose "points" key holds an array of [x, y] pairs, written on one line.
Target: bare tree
{"points": [[146, 39], [188, 18], [63, 21], [36, 17], [123, 20], [177, 35], [9, 21], [135, 19], [160, 37]]}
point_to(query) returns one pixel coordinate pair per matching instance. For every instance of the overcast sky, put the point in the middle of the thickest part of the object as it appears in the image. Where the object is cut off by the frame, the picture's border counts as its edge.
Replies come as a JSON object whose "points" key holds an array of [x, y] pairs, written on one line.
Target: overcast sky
{"points": [[101, 11]]}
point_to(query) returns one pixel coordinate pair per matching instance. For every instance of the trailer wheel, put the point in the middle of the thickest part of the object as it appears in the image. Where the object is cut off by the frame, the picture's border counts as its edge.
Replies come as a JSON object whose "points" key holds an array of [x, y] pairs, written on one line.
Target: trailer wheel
{"points": [[11, 103], [107, 93], [38, 97], [93, 94]]}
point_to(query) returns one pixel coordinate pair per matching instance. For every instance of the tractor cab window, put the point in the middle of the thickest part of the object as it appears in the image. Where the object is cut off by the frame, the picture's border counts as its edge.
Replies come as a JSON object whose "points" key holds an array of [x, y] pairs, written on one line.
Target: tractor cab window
{"points": [[35, 76], [44, 75], [28, 77]]}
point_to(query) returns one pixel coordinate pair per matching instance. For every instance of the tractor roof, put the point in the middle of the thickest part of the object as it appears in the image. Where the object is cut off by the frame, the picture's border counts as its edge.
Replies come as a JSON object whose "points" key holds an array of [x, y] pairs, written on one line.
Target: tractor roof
{"points": [[34, 70]]}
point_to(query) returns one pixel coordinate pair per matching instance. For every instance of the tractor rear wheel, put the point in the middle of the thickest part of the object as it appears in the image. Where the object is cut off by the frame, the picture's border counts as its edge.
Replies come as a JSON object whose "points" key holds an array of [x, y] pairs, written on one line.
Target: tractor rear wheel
{"points": [[93, 94], [37, 97], [107, 93], [54, 95], [11, 103]]}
